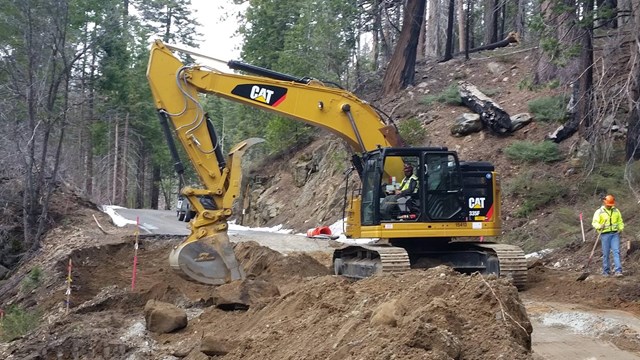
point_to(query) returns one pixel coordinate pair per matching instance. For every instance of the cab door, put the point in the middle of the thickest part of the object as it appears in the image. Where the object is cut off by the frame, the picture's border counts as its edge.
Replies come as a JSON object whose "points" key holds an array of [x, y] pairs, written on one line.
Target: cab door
{"points": [[444, 200]]}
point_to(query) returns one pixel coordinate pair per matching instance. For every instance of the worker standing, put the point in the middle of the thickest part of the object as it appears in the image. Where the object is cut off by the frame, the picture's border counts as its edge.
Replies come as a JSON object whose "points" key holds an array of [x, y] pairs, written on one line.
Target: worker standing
{"points": [[607, 220]]}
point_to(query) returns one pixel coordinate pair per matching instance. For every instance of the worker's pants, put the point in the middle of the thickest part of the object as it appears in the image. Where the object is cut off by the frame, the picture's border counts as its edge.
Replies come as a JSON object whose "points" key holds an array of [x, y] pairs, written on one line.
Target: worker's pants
{"points": [[610, 242]]}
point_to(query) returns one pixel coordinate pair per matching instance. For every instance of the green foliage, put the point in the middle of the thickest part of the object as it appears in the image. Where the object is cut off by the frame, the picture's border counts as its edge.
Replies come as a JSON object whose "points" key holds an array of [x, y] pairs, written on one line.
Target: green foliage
{"points": [[526, 84], [608, 178], [530, 152], [552, 108], [535, 193], [33, 279], [561, 229], [284, 134], [303, 38], [564, 227], [18, 322], [412, 131], [449, 96], [339, 159]]}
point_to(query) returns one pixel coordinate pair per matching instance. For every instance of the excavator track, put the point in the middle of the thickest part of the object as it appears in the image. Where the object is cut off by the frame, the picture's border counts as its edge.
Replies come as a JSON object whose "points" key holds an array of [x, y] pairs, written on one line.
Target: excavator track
{"points": [[513, 264], [360, 261]]}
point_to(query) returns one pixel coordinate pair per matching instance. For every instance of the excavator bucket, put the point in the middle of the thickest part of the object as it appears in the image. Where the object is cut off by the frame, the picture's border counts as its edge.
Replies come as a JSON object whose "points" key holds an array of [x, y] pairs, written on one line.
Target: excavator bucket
{"points": [[209, 260]]}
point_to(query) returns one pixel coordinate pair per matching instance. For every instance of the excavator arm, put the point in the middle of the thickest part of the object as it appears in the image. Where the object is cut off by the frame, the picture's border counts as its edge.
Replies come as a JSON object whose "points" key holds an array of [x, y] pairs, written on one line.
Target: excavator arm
{"points": [[175, 88]]}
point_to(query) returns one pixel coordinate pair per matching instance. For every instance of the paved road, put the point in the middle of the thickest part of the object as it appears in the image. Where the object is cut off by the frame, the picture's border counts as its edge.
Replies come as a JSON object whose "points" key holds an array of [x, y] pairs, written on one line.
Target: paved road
{"points": [[560, 331], [165, 222]]}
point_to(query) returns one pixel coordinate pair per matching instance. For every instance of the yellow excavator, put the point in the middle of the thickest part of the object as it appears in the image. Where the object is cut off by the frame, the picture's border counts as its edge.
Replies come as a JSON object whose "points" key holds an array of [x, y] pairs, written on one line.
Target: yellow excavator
{"points": [[452, 205]]}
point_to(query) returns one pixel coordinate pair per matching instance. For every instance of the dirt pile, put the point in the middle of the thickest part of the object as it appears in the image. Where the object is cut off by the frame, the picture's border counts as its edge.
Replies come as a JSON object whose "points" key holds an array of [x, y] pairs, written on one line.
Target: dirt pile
{"points": [[434, 314]]}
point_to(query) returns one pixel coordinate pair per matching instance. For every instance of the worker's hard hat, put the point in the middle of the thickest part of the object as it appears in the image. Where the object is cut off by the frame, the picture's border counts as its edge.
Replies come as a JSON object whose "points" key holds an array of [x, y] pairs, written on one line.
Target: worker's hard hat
{"points": [[408, 167], [609, 200]]}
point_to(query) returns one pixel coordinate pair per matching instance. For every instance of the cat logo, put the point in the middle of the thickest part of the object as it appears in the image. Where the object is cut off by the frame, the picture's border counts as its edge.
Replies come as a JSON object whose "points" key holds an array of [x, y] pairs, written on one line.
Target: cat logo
{"points": [[476, 203], [265, 94], [261, 94]]}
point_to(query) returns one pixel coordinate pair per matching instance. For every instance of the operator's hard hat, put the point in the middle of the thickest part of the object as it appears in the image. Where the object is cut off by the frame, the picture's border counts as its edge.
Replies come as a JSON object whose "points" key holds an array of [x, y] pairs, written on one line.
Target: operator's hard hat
{"points": [[408, 167], [609, 200]]}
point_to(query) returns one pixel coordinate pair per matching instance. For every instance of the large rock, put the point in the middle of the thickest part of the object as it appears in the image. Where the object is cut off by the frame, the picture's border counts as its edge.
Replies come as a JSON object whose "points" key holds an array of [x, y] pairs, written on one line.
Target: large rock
{"points": [[212, 345], [240, 295], [520, 120], [163, 317], [466, 124]]}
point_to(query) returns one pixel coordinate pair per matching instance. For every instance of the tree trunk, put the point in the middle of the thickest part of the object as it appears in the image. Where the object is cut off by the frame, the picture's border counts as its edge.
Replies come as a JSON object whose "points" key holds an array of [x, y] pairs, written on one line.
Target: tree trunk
{"points": [[124, 193], [611, 8], [155, 186], [503, 17], [140, 175], [632, 149], [491, 21], [116, 142], [519, 19], [491, 113], [585, 81], [377, 28], [560, 18], [401, 70], [420, 54], [467, 32], [448, 50], [432, 49], [471, 40], [461, 27]]}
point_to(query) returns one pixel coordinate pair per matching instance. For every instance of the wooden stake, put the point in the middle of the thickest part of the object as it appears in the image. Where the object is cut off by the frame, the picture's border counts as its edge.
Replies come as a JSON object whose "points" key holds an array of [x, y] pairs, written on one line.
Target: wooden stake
{"points": [[135, 256], [582, 227], [69, 280]]}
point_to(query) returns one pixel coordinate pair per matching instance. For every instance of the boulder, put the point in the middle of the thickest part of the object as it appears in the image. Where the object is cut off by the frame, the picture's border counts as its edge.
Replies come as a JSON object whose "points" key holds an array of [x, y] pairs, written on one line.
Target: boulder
{"points": [[163, 317], [240, 295], [518, 121], [466, 124], [214, 346]]}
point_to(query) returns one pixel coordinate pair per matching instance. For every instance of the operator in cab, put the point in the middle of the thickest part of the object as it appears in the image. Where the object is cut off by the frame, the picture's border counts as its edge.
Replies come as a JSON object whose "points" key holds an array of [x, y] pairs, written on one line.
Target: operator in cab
{"points": [[408, 188]]}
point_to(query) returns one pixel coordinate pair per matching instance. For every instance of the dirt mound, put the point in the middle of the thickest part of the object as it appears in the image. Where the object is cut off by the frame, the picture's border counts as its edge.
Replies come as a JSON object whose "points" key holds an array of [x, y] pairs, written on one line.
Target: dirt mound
{"points": [[264, 263], [435, 314]]}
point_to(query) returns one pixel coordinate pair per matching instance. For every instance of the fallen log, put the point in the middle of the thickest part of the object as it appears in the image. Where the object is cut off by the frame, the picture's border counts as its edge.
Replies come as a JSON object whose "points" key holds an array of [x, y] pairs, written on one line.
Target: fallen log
{"points": [[512, 38], [491, 113]]}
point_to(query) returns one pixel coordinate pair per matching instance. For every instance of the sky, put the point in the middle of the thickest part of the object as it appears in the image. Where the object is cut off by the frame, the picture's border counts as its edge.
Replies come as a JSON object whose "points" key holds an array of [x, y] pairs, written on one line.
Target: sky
{"points": [[218, 24]]}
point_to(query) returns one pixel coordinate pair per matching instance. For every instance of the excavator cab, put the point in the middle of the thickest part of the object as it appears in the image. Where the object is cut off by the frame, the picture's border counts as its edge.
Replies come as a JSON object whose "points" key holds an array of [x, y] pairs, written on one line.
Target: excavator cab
{"points": [[447, 190]]}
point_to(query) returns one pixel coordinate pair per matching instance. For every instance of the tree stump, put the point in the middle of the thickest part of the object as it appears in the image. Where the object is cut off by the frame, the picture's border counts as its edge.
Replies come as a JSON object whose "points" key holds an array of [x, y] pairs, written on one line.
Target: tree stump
{"points": [[491, 113]]}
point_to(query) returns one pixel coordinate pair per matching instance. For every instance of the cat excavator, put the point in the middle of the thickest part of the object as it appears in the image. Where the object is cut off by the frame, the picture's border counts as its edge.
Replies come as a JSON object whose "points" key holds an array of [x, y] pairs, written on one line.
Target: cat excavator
{"points": [[455, 205]]}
